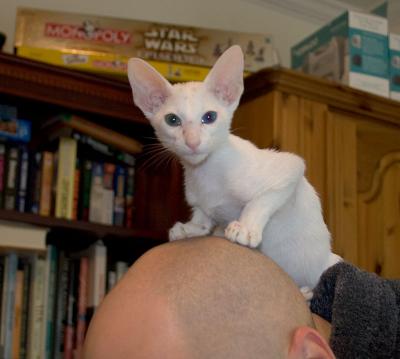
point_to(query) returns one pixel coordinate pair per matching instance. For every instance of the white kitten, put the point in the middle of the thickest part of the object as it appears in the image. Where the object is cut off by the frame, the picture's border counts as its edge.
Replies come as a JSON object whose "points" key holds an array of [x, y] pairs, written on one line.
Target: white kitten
{"points": [[258, 198]]}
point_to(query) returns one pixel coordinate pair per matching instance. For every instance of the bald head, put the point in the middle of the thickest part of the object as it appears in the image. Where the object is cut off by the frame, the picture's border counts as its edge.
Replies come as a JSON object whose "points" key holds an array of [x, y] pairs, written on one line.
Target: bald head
{"points": [[199, 298]]}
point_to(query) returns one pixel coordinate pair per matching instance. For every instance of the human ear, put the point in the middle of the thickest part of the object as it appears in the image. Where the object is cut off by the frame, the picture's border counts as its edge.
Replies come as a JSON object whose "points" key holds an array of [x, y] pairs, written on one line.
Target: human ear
{"points": [[307, 343]]}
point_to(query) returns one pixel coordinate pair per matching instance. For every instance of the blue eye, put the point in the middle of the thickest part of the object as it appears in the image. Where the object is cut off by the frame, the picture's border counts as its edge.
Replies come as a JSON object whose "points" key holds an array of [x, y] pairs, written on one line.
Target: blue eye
{"points": [[209, 117], [172, 120]]}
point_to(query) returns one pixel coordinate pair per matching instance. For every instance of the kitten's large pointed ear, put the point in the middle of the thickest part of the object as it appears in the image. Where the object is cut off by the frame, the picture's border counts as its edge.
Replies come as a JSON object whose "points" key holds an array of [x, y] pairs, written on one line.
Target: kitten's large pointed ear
{"points": [[225, 80], [150, 90]]}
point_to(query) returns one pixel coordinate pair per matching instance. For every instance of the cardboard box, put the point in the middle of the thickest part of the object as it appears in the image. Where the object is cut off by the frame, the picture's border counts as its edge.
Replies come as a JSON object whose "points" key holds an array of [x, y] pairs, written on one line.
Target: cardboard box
{"points": [[104, 45], [351, 49], [394, 64]]}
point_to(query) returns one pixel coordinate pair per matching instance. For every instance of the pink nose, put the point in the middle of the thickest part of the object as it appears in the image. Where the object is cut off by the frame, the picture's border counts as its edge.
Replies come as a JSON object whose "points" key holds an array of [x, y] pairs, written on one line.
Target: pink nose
{"points": [[193, 144]]}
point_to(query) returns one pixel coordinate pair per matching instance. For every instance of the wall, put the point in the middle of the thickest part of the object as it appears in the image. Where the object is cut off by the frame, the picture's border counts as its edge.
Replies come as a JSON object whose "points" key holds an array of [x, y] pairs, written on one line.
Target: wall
{"points": [[236, 15]]}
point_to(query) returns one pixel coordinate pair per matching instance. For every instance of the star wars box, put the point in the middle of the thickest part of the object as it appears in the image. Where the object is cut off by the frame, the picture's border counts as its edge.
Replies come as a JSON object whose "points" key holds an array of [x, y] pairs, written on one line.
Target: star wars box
{"points": [[351, 49], [394, 64], [104, 44]]}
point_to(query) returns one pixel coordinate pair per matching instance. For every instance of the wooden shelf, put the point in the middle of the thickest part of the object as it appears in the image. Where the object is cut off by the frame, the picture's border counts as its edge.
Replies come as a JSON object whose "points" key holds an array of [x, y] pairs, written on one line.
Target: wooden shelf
{"points": [[99, 230], [68, 88], [335, 95]]}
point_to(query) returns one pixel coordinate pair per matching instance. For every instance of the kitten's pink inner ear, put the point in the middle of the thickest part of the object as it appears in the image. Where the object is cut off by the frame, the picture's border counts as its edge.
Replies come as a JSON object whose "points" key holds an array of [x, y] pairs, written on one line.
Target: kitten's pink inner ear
{"points": [[150, 90], [225, 79]]}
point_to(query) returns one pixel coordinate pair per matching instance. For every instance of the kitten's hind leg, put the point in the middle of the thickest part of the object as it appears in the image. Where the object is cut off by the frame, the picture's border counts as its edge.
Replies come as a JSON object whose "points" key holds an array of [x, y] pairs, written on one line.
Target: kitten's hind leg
{"points": [[199, 225]]}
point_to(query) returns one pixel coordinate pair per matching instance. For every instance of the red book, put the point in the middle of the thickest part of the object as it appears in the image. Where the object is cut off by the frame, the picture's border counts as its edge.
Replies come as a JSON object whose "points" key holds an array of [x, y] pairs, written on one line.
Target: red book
{"points": [[46, 184], [77, 180], [82, 305]]}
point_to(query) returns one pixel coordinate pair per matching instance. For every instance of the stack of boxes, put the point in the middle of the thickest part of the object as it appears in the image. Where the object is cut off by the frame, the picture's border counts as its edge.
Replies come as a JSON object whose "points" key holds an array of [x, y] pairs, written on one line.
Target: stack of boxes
{"points": [[355, 49]]}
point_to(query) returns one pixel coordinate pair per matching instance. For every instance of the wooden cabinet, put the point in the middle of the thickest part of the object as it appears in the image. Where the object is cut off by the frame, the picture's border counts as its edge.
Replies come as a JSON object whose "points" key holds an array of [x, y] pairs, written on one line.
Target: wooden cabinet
{"points": [[351, 143]]}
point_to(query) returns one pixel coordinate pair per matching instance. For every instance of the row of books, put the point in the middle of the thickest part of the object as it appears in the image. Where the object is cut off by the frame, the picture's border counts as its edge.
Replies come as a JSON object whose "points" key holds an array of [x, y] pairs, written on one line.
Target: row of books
{"points": [[72, 168], [49, 295], [64, 185]]}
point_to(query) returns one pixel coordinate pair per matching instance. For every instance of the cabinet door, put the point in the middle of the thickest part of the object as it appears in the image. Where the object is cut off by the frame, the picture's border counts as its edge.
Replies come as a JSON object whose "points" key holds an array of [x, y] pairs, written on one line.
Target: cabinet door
{"points": [[378, 148], [341, 176]]}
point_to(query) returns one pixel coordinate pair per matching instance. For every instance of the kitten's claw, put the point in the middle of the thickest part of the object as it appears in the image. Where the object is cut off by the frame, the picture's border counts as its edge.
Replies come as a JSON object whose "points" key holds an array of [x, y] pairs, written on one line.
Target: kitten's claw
{"points": [[307, 293], [185, 230], [238, 233]]}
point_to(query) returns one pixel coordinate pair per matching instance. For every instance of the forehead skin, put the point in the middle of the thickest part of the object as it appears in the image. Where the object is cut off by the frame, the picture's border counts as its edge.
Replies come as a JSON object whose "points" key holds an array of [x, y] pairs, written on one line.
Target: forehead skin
{"points": [[134, 321], [189, 298]]}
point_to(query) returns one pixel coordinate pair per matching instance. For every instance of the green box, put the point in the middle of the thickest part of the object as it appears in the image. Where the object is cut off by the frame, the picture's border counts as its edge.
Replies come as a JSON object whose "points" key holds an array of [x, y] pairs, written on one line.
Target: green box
{"points": [[351, 49], [394, 63]]}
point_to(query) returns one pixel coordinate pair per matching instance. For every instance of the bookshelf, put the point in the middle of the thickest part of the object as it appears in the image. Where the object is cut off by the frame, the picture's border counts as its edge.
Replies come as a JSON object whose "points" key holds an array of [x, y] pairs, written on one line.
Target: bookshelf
{"points": [[96, 229], [56, 291], [40, 91]]}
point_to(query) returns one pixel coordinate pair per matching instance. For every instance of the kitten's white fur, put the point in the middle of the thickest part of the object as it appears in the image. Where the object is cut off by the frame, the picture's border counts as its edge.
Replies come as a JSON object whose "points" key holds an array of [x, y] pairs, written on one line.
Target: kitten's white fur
{"points": [[256, 197]]}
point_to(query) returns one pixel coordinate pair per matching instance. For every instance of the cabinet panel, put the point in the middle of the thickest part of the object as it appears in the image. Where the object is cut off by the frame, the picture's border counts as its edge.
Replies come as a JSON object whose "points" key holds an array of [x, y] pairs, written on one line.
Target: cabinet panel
{"points": [[341, 175]]}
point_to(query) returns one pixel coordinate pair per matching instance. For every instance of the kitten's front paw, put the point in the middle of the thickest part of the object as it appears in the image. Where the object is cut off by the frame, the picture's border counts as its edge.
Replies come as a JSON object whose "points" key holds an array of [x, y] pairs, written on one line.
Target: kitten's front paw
{"points": [[239, 233], [186, 230]]}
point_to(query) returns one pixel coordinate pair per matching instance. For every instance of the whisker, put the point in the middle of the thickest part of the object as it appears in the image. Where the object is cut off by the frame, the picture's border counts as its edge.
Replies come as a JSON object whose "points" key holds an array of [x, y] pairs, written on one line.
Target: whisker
{"points": [[160, 160], [236, 129], [153, 158]]}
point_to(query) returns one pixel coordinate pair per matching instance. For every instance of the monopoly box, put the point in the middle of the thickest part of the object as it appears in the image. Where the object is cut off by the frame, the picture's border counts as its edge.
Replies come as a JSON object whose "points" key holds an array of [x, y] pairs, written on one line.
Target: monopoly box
{"points": [[352, 49], [104, 44], [394, 64]]}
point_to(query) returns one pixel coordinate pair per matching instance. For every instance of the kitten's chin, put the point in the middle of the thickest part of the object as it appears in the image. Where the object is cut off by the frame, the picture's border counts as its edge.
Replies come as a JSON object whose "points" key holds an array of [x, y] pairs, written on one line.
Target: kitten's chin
{"points": [[194, 159]]}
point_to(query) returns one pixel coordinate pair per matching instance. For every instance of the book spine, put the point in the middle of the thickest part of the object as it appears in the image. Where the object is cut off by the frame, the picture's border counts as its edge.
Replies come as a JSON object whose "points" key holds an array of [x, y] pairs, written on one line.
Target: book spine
{"points": [[96, 194], [108, 183], [4, 306], [19, 287], [119, 196], [85, 191], [97, 276], [52, 255], [129, 202], [23, 180], [65, 177], [111, 279], [120, 269], [36, 309], [82, 304], [69, 329], [2, 286], [2, 172], [11, 178], [25, 309], [54, 184], [77, 179], [46, 184], [10, 304], [35, 183], [62, 297]]}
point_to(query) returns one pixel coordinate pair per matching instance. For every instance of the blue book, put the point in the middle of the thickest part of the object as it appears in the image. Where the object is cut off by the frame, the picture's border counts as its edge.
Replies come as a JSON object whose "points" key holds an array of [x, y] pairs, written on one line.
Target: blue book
{"points": [[23, 179], [119, 195], [19, 132]]}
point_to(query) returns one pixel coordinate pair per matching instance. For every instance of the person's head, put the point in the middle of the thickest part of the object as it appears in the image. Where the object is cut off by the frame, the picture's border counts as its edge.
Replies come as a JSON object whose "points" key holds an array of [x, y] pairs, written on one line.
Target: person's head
{"points": [[204, 298]]}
